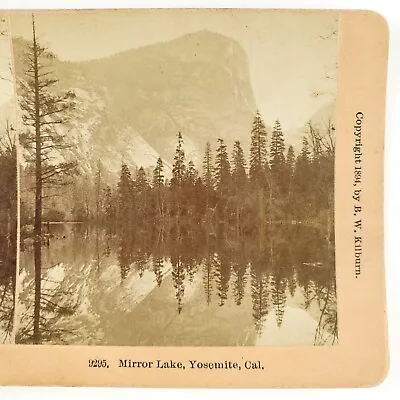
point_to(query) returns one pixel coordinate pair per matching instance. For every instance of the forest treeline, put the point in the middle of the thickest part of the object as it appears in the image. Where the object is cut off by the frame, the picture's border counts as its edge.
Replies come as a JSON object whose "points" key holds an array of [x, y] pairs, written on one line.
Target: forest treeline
{"points": [[273, 185]]}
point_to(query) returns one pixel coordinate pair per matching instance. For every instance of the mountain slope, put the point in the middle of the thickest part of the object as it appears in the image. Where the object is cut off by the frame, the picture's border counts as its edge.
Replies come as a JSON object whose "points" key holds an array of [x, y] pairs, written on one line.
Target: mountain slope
{"points": [[130, 106]]}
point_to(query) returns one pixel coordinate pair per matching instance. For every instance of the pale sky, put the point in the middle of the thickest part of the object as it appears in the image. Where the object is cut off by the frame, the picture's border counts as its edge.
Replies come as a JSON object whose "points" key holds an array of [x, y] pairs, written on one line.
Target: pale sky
{"points": [[290, 53], [6, 85]]}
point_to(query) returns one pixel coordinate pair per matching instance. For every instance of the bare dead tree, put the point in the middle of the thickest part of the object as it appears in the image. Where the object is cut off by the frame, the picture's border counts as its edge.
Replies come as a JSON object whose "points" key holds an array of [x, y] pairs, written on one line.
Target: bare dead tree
{"points": [[322, 141], [8, 139]]}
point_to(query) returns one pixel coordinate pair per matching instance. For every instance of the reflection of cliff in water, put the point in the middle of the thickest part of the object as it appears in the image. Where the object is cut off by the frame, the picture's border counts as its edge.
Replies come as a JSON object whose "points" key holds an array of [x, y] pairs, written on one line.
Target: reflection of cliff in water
{"points": [[154, 288]]}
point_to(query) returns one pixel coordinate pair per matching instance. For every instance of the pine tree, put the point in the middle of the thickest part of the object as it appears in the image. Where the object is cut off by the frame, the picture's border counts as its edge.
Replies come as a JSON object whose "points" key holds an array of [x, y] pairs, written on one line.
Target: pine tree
{"points": [[191, 174], [208, 177], [239, 179], [278, 177], [305, 150], [125, 194], [189, 188], [239, 175], [222, 169], [289, 172], [258, 150], [142, 193], [158, 175], [208, 174], [301, 180], [290, 160], [158, 185], [141, 183], [178, 168], [277, 150], [259, 169]]}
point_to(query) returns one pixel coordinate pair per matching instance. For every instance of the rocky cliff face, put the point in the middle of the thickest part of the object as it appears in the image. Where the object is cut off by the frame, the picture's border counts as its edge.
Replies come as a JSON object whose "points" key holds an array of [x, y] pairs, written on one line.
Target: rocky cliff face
{"points": [[130, 106]]}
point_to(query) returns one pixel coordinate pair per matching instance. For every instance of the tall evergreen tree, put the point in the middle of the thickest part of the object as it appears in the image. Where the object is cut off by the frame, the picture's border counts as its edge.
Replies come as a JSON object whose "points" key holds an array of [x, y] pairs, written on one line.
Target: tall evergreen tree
{"points": [[208, 170], [141, 183], [125, 193], [290, 160], [258, 149], [278, 179], [142, 192], [277, 149], [191, 174], [302, 184], [239, 175], [259, 169], [189, 189], [158, 185], [239, 178], [208, 174], [289, 172], [158, 175], [222, 168], [179, 167], [305, 154]]}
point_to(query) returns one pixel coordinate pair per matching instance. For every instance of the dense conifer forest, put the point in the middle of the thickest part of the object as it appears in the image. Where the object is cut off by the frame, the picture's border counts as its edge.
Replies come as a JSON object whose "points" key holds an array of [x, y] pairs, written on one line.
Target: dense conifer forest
{"points": [[241, 196]]}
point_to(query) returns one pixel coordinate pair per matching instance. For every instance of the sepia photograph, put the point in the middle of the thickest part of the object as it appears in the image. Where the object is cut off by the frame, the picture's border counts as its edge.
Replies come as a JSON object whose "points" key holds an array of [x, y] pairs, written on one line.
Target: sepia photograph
{"points": [[171, 177]]}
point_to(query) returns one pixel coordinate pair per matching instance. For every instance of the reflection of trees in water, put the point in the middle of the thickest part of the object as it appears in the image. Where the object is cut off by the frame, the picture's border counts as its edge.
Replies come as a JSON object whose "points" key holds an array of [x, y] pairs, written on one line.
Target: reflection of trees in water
{"points": [[208, 276], [327, 328], [6, 306], [260, 298], [158, 265], [287, 264], [223, 275], [48, 304], [239, 275], [178, 277], [7, 286], [283, 261]]}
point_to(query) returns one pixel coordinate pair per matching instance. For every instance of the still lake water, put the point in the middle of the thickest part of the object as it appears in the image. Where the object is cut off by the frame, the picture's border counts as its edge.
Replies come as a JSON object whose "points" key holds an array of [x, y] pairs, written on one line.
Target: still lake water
{"points": [[99, 288]]}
